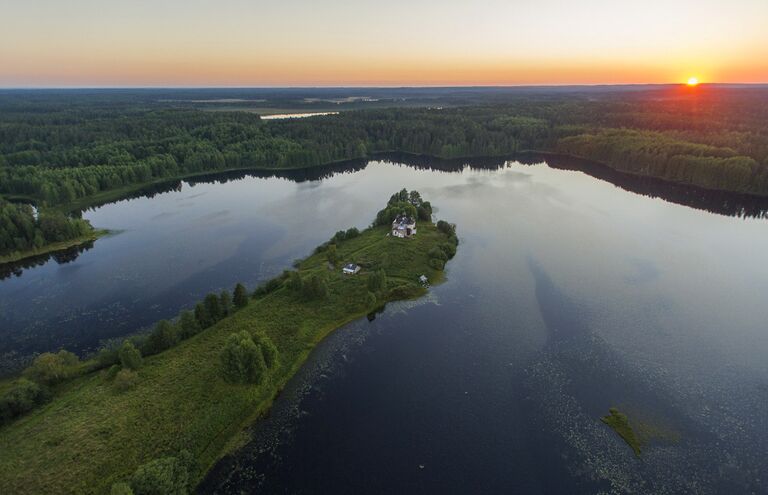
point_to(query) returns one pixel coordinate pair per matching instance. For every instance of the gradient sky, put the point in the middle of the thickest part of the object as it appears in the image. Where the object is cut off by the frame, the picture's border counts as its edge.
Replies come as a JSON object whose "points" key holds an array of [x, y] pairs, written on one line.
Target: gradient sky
{"points": [[379, 43]]}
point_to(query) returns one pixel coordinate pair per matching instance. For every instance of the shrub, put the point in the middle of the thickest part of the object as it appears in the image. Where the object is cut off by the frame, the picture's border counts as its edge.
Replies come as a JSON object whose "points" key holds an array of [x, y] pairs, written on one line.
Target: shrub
{"points": [[108, 355], [164, 476], [370, 299], [449, 249], [21, 398], [130, 356], [49, 368], [164, 336], [377, 280], [437, 264], [446, 228], [240, 298], [404, 292], [437, 253], [188, 324], [315, 287], [242, 361], [295, 283], [351, 233], [112, 372], [268, 349], [126, 379]]}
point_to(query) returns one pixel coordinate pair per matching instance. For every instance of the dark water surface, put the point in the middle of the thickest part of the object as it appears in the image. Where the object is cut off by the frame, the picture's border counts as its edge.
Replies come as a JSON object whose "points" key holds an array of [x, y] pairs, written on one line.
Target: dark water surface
{"points": [[568, 296]]}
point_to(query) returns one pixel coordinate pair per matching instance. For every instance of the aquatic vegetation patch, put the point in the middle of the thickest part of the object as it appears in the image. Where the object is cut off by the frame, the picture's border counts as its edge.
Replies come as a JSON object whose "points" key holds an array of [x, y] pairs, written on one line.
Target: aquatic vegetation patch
{"points": [[619, 422]]}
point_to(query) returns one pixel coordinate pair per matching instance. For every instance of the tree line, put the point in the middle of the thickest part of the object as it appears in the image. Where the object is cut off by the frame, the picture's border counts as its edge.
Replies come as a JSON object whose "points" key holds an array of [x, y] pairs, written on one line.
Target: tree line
{"points": [[23, 229], [56, 153], [123, 360]]}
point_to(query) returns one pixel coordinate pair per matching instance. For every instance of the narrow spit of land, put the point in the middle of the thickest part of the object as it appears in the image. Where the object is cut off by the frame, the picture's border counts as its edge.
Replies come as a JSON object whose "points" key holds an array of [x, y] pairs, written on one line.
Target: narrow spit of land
{"points": [[54, 247], [92, 435]]}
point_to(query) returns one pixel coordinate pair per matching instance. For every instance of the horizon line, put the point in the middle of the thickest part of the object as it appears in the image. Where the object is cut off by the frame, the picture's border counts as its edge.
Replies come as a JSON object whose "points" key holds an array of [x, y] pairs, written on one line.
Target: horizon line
{"points": [[398, 86]]}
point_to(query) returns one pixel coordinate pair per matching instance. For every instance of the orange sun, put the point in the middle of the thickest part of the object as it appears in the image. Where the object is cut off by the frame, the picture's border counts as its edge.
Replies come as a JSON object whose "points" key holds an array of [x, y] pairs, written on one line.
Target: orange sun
{"points": [[693, 81]]}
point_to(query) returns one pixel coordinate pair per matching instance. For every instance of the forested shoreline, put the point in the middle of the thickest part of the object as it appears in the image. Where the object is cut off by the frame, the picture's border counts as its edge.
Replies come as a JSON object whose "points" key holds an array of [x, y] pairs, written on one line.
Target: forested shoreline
{"points": [[25, 232], [55, 152]]}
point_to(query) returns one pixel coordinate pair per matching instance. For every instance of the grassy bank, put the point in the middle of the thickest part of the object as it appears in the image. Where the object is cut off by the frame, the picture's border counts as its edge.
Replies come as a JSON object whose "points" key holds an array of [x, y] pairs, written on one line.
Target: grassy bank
{"points": [[91, 435], [53, 247]]}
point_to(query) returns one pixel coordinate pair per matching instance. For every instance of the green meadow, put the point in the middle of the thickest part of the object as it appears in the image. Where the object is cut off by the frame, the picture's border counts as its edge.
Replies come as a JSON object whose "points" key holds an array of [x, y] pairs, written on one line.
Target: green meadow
{"points": [[92, 435]]}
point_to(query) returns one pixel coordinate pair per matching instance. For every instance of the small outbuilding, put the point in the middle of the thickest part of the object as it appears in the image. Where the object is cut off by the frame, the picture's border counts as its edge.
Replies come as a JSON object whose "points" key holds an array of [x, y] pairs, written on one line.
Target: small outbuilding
{"points": [[350, 269], [423, 279]]}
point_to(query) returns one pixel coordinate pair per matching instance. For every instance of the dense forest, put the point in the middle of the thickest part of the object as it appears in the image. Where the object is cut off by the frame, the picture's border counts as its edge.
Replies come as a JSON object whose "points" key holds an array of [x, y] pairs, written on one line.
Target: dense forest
{"points": [[21, 229], [55, 149]]}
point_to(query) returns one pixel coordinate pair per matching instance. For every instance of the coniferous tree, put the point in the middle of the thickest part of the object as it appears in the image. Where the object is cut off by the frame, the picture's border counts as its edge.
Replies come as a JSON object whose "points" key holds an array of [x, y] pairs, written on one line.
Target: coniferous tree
{"points": [[202, 316], [225, 303], [188, 325], [240, 298], [212, 306]]}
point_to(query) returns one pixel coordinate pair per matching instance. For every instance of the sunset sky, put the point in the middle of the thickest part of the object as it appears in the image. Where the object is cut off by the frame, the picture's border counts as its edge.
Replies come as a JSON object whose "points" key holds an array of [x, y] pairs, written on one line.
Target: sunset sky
{"points": [[92, 43]]}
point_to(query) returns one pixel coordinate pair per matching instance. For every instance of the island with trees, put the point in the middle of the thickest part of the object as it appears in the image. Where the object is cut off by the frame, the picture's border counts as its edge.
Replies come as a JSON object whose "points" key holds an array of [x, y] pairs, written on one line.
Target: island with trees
{"points": [[153, 413]]}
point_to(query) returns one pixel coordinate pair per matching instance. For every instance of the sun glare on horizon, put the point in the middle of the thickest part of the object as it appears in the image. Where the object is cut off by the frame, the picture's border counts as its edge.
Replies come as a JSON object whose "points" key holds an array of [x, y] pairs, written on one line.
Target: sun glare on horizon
{"points": [[693, 81]]}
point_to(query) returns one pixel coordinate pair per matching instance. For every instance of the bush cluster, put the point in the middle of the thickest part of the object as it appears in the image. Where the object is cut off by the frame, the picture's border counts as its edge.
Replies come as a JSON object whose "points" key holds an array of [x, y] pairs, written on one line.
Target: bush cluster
{"points": [[246, 358], [313, 287], [270, 285], [407, 203], [377, 281], [122, 359], [344, 235], [444, 251], [171, 475], [49, 368], [21, 398]]}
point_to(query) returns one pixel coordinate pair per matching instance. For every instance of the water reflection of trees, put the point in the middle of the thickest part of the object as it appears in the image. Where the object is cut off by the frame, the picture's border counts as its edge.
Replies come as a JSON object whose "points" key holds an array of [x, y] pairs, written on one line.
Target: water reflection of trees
{"points": [[68, 255], [718, 202]]}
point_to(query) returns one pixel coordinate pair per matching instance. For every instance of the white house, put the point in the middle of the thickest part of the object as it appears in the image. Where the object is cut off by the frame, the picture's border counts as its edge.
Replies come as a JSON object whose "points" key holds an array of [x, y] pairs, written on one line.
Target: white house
{"points": [[350, 269], [403, 226]]}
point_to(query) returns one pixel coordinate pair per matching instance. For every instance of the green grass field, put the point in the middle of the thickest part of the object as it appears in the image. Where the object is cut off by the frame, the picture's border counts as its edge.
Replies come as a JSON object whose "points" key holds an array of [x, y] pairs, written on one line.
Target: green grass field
{"points": [[91, 436]]}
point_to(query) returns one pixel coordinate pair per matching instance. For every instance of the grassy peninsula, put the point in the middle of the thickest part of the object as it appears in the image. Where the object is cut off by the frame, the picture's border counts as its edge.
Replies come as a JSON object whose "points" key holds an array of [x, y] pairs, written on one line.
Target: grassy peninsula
{"points": [[93, 433], [25, 232], [54, 247]]}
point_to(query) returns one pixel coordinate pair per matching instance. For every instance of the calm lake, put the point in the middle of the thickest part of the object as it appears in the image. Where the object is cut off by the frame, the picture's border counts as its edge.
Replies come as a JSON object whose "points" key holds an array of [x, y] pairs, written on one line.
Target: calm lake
{"points": [[568, 296]]}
